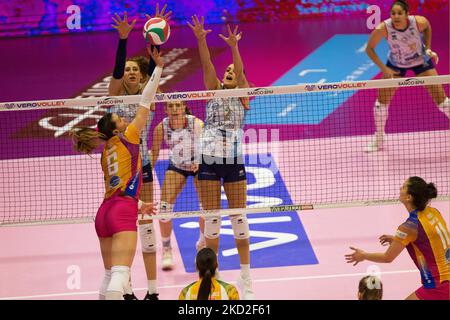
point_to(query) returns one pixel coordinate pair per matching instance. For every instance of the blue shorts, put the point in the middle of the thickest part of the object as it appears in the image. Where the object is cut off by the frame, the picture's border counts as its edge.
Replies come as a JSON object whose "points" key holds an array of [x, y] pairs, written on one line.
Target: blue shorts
{"points": [[228, 169], [428, 65], [147, 173], [185, 173]]}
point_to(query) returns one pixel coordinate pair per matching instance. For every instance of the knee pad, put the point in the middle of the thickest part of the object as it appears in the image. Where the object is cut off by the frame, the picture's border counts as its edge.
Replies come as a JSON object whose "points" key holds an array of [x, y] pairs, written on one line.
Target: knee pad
{"points": [[240, 226], [212, 227], [120, 277], [148, 240], [165, 207]]}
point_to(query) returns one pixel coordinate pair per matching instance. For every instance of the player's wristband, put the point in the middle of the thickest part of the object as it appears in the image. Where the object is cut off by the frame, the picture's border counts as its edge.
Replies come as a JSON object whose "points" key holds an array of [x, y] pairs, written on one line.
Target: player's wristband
{"points": [[140, 203]]}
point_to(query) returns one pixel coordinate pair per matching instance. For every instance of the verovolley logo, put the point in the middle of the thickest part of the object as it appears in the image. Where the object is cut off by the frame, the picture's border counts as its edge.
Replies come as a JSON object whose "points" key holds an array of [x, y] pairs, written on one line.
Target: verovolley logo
{"points": [[33, 104], [411, 82], [310, 87], [344, 85], [109, 101], [260, 92], [192, 95]]}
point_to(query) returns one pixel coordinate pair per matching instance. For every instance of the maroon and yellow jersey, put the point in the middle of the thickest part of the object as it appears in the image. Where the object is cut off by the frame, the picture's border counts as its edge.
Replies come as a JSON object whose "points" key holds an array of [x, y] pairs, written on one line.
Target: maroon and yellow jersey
{"points": [[122, 165], [427, 239]]}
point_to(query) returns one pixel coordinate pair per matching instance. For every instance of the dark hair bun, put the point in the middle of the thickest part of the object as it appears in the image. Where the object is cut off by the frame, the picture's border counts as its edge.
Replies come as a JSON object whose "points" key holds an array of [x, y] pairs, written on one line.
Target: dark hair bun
{"points": [[432, 192], [402, 3]]}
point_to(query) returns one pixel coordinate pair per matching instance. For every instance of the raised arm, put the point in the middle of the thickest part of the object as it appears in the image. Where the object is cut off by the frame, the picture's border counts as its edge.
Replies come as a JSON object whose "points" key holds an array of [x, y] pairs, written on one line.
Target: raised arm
{"points": [[209, 72], [158, 14], [148, 94], [124, 29], [232, 40], [156, 144]]}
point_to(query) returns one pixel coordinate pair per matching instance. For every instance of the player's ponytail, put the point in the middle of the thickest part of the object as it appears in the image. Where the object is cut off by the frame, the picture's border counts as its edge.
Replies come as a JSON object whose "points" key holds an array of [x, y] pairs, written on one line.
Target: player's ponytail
{"points": [[432, 191], [421, 192], [206, 262], [86, 139], [370, 288]]}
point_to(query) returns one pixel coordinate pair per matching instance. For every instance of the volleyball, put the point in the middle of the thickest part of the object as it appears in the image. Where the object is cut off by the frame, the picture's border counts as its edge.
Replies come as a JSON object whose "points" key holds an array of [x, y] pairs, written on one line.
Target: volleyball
{"points": [[156, 31]]}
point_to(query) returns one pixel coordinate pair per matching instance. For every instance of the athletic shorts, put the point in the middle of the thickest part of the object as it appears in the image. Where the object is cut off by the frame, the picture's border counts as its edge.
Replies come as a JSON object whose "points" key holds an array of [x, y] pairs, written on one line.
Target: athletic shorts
{"points": [[214, 169], [185, 173], [147, 173], [428, 65], [116, 214], [441, 292]]}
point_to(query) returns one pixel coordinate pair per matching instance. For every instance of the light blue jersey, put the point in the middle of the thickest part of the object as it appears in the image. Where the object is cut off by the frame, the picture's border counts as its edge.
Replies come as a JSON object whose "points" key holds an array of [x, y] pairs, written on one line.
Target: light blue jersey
{"points": [[407, 49], [223, 132]]}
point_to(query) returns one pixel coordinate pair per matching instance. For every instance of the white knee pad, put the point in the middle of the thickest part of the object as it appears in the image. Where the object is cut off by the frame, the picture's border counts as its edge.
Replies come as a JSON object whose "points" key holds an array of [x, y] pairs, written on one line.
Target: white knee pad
{"points": [[165, 207], [381, 112], [212, 227], [445, 107], [148, 239], [120, 277], [240, 226]]}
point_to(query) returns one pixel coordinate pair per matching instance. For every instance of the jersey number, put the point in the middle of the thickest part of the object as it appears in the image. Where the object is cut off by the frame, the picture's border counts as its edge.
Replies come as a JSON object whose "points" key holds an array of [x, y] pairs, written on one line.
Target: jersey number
{"points": [[111, 161]]}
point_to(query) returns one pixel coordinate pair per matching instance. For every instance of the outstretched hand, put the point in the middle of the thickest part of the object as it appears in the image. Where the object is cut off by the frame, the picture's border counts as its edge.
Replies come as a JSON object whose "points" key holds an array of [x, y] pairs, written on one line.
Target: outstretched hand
{"points": [[162, 14], [122, 25], [386, 239], [156, 56], [233, 37], [198, 28], [148, 208], [355, 257]]}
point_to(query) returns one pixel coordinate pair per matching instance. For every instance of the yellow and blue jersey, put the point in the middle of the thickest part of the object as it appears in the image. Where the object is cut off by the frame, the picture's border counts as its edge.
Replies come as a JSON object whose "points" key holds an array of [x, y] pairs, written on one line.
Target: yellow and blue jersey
{"points": [[427, 239], [220, 290], [122, 164]]}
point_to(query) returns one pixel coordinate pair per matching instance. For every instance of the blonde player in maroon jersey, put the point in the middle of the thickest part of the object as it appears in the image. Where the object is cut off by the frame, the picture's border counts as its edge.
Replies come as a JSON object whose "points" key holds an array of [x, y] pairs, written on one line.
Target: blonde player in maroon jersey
{"points": [[116, 219], [127, 79]]}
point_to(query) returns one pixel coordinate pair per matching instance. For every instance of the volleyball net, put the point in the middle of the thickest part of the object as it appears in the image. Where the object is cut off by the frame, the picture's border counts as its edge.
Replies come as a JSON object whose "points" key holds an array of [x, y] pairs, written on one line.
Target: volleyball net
{"points": [[303, 148]]}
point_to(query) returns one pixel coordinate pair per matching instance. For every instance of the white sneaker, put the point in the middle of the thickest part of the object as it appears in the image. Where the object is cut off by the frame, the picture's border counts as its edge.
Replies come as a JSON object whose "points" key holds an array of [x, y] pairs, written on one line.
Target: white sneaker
{"points": [[375, 145], [167, 259], [200, 244], [245, 285]]}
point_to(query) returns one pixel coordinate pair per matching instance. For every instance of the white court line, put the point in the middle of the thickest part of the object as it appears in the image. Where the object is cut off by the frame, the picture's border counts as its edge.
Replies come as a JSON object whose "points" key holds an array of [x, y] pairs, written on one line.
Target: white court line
{"points": [[342, 275]]}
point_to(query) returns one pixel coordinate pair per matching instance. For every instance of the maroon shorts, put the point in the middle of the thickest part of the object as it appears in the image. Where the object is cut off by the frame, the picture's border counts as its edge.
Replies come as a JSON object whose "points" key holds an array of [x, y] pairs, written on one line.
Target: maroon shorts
{"points": [[116, 214], [441, 292]]}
